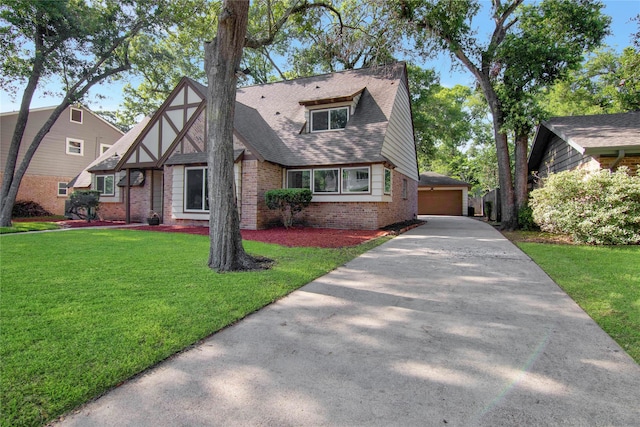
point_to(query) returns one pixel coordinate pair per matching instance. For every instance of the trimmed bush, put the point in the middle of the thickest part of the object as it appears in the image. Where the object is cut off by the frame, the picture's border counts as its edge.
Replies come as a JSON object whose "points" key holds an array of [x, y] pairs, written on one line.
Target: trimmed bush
{"points": [[28, 209], [84, 204], [601, 207], [289, 201]]}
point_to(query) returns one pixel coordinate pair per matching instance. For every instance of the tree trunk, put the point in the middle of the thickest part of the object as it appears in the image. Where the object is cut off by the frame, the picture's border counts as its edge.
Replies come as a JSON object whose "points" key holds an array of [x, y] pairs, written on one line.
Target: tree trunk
{"points": [[9, 198], [222, 59], [509, 214], [522, 169]]}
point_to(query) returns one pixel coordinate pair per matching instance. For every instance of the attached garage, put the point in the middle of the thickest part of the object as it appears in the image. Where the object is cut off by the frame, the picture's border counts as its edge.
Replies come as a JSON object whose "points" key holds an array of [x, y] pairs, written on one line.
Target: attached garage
{"points": [[440, 195]]}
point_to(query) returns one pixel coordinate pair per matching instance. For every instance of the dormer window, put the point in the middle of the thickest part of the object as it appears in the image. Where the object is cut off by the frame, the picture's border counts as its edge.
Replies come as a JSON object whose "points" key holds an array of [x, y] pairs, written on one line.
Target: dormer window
{"points": [[329, 119]]}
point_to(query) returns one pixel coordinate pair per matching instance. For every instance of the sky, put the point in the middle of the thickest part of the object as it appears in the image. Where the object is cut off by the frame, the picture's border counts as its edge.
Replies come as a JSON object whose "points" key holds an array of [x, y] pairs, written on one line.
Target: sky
{"points": [[621, 12]]}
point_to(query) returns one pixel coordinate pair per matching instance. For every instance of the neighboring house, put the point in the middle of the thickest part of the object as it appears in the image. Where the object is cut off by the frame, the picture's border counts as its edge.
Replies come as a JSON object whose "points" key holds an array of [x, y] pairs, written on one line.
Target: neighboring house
{"points": [[77, 138], [441, 195], [347, 136], [593, 142]]}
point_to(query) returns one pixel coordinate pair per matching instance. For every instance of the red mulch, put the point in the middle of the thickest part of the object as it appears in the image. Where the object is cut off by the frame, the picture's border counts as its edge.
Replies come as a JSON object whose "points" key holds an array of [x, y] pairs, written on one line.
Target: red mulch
{"points": [[292, 237], [77, 223]]}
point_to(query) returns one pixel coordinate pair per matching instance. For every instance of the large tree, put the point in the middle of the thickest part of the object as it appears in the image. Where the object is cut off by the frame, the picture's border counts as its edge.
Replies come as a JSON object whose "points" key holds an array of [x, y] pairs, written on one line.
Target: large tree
{"points": [[222, 66], [75, 42], [531, 46]]}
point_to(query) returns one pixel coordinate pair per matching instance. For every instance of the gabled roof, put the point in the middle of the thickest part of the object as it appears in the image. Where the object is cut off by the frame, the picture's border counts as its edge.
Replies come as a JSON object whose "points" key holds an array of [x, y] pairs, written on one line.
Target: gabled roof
{"points": [[597, 134], [108, 159], [270, 120], [434, 179], [282, 107]]}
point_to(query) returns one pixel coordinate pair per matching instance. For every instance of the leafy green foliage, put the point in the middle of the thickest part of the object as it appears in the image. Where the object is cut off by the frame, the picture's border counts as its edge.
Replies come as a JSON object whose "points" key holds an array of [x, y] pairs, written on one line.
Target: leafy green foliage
{"points": [[600, 207], [80, 312], [84, 204], [525, 218], [606, 83], [289, 201], [604, 281]]}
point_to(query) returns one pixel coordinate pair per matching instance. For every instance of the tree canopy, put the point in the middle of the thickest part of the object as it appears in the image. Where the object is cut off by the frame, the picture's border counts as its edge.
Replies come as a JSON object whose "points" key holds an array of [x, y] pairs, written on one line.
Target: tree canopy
{"points": [[76, 42]]}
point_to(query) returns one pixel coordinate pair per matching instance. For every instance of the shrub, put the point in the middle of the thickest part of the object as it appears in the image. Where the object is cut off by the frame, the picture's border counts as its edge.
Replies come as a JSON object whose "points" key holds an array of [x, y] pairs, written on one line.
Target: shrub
{"points": [[600, 207], [289, 201], [84, 204], [525, 218], [28, 209]]}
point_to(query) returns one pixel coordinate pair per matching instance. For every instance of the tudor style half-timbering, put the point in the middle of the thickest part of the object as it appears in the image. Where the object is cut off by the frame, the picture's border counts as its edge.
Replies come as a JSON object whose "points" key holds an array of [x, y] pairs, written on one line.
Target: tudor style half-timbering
{"points": [[346, 136]]}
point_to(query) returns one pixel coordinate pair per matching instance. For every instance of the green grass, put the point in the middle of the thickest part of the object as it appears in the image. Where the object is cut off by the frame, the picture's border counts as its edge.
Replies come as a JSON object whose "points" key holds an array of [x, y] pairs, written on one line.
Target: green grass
{"points": [[603, 280], [20, 227], [83, 310]]}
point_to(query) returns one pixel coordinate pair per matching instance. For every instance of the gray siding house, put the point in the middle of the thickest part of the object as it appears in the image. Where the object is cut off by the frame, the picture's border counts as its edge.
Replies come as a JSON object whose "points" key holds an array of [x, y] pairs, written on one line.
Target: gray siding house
{"points": [[347, 136], [593, 142], [76, 139]]}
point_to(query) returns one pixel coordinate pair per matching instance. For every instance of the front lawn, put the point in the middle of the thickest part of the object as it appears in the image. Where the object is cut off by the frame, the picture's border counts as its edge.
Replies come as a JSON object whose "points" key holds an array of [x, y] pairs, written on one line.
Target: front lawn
{"points": [[603, 280], [20, 227], [82, 311]]}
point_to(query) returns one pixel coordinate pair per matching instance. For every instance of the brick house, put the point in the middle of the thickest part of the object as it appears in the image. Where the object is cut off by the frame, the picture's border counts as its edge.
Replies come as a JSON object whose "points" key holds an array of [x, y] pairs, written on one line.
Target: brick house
{"points": [[347, 136], [592, 142], [77, 138]]}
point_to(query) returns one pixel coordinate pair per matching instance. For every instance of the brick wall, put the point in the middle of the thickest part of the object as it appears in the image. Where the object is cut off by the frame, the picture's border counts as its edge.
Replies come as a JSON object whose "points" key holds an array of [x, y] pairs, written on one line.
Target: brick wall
{"points": [[140, 203], [631, 162], [365, 215], [42, 190], [269, 178]]}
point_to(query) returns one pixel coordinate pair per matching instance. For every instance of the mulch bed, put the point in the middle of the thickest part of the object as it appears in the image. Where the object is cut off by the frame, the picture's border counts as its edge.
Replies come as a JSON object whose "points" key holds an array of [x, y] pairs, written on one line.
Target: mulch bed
{"points": [[292, 237], [78, 223]]}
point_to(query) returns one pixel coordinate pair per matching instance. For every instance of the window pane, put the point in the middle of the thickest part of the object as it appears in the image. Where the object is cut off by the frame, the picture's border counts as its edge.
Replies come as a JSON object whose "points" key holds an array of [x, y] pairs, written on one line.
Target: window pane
{"points": [[387, 181], [100, 184], [108, 185], [75, 147], [325, 181], [62, 189], [195, 189], [339, 118], [299, 179], [355, 180], [320, 120], [76, 115]]}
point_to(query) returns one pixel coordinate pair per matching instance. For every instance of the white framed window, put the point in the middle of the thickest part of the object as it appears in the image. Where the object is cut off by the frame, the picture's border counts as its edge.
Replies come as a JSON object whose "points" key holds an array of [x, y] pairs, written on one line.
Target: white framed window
{"points": [[387, 181], [404, 188], [196, 192], [104, 147], [105, 184], [75, 115], [299, 178], [329, 119], [356, 180], [326, 180], [62, 189], [75, 147]]}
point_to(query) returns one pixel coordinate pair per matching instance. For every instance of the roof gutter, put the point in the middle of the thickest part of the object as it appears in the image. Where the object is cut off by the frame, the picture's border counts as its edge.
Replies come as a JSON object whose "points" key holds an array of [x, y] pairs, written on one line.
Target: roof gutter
{"points": [[617, 160]]}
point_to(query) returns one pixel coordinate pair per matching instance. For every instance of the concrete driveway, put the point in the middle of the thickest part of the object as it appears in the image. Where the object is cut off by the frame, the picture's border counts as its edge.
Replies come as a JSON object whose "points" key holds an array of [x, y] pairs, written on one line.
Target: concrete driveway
{"points": [[448, 324]]}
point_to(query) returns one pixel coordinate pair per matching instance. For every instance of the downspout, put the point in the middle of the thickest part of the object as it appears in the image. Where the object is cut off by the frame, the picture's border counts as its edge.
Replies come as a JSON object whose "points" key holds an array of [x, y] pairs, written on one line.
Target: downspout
{"points": [[617, 160]]}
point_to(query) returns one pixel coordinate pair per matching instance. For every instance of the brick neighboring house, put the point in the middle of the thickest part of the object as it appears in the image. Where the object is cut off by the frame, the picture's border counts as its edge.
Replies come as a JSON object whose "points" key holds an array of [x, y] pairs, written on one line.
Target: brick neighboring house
{"points": [[78, 137], [347, 136], [592, 142]]}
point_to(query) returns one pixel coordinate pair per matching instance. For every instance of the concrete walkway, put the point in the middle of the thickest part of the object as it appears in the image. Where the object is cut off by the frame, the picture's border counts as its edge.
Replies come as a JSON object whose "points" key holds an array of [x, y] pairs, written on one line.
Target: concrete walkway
{"points": [[448, 324]]}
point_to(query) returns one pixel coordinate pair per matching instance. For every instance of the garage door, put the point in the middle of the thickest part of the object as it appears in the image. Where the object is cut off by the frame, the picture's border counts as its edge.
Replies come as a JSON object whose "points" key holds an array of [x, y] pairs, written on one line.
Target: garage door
{"points": [[440, 202]]}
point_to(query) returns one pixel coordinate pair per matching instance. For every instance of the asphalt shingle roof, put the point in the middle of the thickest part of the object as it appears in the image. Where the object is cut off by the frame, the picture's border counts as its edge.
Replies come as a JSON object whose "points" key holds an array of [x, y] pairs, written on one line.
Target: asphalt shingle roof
{"points": [[433, 179]]}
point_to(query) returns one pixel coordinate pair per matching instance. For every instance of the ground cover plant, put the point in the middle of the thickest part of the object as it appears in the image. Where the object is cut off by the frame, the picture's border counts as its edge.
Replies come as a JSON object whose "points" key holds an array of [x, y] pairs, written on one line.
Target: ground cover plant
{"points": [[603, 280], [83, 310]]}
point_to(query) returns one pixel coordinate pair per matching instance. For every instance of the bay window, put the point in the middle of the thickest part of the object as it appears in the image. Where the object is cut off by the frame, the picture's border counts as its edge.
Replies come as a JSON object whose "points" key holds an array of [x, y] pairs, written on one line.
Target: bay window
{"points": [[326, 180], [355, 180], [299, 178]]}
